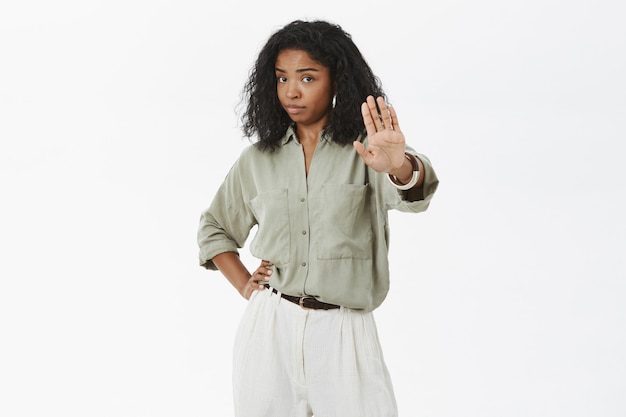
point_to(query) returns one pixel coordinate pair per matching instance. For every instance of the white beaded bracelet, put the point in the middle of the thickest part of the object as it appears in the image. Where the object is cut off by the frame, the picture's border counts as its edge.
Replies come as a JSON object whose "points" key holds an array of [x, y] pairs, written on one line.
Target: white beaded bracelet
{"points": [[416, 174]]}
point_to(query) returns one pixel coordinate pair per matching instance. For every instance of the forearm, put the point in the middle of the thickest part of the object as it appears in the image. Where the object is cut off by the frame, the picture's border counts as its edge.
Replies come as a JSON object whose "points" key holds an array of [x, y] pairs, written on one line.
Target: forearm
{"points": [[233, 269]]}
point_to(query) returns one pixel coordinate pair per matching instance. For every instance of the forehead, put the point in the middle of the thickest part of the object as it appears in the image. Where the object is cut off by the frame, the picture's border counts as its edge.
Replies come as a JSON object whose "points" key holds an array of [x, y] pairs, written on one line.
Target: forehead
{"points": [[294, 59]]}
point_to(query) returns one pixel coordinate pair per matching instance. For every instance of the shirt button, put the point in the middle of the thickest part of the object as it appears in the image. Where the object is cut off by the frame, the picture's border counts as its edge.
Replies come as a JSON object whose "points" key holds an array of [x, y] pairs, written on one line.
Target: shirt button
{"points": [[303, 263], [302, 199], [304, 232]]}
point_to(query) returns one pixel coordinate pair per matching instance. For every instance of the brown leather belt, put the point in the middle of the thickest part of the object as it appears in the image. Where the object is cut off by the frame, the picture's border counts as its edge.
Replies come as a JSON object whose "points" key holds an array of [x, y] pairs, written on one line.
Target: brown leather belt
{"points": [[307, 302]]}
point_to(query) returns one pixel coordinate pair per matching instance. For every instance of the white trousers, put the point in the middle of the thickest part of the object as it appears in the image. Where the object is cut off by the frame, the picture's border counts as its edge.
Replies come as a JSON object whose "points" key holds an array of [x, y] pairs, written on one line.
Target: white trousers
{"points": [[291, 362]]}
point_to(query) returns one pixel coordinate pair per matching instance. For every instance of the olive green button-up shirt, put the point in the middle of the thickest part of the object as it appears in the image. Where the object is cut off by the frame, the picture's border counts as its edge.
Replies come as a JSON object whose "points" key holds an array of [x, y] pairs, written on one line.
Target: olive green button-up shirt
{"points": [[327, 233]]}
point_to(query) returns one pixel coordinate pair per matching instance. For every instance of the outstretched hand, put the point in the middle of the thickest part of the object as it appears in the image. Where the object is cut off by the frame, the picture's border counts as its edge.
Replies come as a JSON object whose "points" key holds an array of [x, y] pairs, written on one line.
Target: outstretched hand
{"points": [[385, 143]]}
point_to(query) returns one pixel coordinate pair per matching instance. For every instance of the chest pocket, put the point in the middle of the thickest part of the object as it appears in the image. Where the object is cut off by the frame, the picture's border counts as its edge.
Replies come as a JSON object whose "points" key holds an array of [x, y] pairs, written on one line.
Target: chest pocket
{"points": [[271, 241], [342, 222]]}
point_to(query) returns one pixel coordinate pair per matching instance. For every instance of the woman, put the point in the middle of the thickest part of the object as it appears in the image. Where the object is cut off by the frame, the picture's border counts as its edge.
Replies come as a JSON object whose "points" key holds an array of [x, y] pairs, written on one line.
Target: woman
{"points": [[328, 163]]}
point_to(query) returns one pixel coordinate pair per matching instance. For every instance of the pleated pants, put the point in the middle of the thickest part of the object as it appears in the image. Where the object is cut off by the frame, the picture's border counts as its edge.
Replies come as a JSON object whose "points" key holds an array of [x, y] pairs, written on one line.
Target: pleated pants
{"points": [[292, 362]]}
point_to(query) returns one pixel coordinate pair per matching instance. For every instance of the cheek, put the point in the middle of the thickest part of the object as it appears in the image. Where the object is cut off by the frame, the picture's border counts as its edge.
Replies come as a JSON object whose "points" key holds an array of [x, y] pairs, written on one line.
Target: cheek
{"points": [[326, 93], [280, 92]]}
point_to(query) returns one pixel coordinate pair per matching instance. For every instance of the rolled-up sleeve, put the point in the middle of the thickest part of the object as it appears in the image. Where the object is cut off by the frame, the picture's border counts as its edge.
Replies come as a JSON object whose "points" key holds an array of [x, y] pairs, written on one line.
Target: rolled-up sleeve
{"points": [[226, 224], [416, 199]]}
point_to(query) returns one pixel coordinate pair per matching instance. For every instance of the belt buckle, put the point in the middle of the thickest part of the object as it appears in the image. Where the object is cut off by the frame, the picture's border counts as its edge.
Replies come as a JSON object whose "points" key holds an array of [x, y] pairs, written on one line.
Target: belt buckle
{"points": [[301, 302]]}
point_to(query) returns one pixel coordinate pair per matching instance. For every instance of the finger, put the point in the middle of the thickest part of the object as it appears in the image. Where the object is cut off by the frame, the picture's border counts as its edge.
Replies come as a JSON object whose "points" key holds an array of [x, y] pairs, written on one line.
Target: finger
{"points": [[385, 114], [370, 128], [362, 151], [360, 148], [256, 286], [261, 275], [394, 118], [375, 112]]}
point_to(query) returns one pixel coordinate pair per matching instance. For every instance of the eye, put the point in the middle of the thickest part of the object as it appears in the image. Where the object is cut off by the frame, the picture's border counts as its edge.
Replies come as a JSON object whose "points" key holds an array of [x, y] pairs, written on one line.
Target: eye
{"points": [[281, 79], [307, 79]]}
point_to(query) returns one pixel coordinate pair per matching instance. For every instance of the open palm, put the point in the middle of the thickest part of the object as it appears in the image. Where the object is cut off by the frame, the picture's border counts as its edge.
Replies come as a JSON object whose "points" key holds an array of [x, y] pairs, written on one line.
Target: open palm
{"points": [[385, 143]]}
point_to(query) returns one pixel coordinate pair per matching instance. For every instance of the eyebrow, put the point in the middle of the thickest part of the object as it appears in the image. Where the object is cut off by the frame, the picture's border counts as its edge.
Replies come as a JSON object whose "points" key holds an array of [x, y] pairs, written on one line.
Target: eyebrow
{"points": [[299, 70]]}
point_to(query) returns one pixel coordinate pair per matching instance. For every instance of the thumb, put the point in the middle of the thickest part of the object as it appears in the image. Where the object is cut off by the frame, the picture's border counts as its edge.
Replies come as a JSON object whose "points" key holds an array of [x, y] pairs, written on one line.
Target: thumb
{"points": [[360, 148]]}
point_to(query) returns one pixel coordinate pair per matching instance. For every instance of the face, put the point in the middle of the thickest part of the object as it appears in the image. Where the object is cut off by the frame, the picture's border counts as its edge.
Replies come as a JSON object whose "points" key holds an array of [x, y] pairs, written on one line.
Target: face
{"points": [[304, 88]]}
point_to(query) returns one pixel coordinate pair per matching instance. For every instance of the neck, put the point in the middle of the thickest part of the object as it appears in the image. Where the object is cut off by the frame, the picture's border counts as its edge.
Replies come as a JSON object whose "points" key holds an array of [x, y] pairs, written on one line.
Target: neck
{"points": [[309, 133]]}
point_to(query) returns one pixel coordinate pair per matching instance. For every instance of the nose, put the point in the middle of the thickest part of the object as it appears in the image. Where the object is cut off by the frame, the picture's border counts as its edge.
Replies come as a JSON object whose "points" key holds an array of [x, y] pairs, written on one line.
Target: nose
{"points": [[292, 90]]}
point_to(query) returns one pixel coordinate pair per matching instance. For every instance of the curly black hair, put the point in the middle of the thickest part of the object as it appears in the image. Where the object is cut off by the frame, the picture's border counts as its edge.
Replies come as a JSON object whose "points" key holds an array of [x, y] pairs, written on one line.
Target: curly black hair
{"points": [[332, 47]]}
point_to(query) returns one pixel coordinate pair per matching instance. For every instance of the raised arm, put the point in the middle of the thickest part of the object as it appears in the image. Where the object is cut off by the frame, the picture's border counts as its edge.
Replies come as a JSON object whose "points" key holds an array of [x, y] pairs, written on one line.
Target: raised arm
{"points": [[386, 145]]}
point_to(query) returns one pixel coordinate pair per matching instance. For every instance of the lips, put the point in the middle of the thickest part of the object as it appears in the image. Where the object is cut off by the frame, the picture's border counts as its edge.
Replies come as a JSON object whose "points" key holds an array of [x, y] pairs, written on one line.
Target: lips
{"points": [[293, 109]]}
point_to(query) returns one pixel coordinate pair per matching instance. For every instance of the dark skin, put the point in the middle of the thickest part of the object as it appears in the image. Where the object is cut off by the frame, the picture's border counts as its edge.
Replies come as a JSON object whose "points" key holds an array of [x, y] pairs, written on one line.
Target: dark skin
{"points": [[238, 275], [305, 90]]}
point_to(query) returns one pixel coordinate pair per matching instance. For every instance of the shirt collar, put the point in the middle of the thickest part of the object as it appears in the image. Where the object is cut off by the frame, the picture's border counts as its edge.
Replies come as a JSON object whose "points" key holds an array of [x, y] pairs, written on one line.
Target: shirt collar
{"points": [[291, 134]]}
